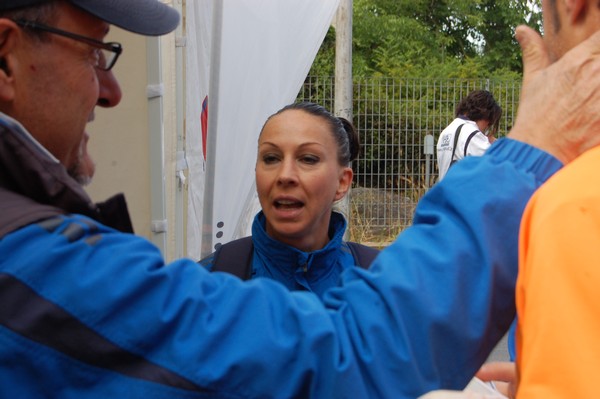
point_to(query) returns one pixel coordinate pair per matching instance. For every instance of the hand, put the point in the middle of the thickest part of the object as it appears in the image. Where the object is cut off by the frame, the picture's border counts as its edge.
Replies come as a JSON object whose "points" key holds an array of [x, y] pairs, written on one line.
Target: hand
{"points": [[558, 110], [504, 375]]}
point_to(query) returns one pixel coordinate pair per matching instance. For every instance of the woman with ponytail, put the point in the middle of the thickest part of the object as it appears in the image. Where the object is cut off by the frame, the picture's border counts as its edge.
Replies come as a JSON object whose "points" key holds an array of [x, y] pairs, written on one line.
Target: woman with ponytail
{"points": [[302, 170]]}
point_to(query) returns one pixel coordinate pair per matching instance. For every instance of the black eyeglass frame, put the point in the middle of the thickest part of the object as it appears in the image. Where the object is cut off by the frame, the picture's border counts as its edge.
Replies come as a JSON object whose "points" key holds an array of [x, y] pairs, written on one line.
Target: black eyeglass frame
{"points": [[113, 47]]}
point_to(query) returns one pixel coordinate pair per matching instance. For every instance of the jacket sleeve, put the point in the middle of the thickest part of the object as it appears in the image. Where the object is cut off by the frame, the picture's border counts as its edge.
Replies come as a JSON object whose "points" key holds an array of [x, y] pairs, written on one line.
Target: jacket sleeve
{"points": [[424, 316], [447, 282]]}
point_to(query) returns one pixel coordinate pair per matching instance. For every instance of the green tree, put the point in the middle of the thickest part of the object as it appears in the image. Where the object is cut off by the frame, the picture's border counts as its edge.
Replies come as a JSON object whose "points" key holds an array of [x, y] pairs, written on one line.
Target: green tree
{"points": [[500, 18], [433, 38]]}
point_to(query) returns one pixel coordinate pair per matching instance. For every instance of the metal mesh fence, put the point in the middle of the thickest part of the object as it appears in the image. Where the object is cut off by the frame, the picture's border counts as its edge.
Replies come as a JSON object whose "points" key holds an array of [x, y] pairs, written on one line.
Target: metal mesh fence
{"points": [[393, 118]]}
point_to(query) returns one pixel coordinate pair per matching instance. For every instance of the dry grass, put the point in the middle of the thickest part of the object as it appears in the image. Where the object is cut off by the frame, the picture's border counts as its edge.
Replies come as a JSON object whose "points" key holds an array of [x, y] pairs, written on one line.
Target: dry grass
{"points": [[377, 217]]}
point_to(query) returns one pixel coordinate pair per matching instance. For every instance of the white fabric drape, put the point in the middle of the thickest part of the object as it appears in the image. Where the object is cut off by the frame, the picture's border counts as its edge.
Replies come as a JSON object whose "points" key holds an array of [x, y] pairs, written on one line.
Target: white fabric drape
{"points": [[248, 58]]}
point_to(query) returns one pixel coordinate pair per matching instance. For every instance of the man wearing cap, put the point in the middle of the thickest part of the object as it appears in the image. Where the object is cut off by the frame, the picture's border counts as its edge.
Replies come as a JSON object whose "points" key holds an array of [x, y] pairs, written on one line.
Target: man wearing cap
{"points": [[88, 310]]}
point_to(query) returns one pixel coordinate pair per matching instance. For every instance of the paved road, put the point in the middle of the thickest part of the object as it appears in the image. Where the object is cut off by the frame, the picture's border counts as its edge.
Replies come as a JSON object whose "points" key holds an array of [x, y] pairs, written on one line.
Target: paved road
{"points": [[500, 352]]}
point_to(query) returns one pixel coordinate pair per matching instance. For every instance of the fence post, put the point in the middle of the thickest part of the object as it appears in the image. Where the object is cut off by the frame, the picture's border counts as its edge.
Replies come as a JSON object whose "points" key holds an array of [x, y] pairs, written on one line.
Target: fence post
{"points": [[428, 151], [343, 60], [343, 78]]}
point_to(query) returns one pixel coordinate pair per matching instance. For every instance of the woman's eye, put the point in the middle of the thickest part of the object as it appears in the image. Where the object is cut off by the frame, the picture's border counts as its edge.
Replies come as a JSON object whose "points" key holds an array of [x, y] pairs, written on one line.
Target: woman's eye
{"points": [[269, 159], [310, 159]]}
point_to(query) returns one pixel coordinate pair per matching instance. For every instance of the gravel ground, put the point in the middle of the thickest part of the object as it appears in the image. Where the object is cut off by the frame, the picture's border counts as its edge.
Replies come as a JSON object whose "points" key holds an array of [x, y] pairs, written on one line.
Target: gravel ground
{"points": [[500, 352]]}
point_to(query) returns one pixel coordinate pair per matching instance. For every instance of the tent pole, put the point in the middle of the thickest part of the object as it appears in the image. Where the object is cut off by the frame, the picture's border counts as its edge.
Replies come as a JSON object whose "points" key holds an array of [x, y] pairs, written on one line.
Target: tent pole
{"points": [[211, 140]]}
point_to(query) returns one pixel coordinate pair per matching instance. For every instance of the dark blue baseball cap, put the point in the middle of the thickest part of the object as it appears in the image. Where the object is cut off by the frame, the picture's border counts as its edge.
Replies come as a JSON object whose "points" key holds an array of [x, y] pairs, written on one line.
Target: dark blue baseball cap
{"points": [[146, 17]]}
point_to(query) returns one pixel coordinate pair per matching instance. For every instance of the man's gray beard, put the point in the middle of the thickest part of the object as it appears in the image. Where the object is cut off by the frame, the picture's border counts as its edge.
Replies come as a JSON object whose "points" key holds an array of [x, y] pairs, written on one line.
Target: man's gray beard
{"points": [[83, 180], [80, 177]]}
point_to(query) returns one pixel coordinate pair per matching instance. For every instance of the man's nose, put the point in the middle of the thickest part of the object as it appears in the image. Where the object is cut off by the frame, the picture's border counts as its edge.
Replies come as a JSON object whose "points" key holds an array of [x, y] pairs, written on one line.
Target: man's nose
{"points": [[110, 92]]}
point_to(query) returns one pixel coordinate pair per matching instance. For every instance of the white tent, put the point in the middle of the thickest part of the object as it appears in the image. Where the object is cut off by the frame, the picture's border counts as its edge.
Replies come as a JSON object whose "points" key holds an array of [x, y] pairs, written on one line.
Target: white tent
{"points": [[245, 60]]}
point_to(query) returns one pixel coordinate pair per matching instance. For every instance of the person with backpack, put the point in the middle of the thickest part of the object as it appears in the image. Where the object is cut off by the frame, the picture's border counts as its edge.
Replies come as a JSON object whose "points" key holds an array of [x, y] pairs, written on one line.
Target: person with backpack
{"points": [[471, 132], [302, 170]]}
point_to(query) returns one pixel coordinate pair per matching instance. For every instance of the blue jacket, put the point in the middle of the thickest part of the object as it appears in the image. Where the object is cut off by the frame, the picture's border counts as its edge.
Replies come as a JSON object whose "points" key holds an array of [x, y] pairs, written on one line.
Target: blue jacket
{"points": [[314, 271], [87, 311]]}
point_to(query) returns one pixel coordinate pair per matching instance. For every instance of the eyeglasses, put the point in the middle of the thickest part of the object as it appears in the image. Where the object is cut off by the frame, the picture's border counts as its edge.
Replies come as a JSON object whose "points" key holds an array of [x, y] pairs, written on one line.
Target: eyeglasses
{"points": [[106, 53]]}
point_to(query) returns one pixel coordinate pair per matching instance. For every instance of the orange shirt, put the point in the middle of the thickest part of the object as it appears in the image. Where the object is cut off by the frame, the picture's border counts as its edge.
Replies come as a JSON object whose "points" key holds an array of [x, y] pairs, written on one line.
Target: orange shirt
{"points": [[558, 288]]}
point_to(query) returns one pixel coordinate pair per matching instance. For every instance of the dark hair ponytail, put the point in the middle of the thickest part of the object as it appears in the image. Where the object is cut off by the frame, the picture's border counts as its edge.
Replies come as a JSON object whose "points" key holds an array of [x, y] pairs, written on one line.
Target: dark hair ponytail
{"points": [[353, 140]]}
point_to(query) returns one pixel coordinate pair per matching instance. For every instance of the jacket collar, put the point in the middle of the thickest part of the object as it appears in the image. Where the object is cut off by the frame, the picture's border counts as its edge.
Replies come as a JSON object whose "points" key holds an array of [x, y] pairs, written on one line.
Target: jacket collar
{"points": [[29, 170]]}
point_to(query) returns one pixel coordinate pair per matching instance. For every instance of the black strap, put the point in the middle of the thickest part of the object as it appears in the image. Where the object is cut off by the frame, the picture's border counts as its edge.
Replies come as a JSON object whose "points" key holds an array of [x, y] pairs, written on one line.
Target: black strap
{"points": [[456, 134], [363, 255], [452, 160], [469, 140], [235, 257]]}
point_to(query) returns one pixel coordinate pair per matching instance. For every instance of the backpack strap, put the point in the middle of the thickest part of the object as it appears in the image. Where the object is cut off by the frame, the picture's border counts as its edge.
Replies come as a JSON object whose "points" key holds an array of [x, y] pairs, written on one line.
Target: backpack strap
{"points": [[235, 257], [456, 134], [363, 255], [469, 140]]}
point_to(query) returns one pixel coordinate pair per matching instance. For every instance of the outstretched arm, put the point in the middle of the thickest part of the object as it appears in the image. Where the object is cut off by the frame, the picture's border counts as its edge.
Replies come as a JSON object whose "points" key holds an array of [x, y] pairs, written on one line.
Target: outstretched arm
{"points": [[423, 317]]}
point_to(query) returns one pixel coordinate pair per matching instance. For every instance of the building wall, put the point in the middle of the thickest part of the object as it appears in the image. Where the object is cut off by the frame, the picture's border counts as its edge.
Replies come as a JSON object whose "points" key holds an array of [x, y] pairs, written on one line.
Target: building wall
{"points": [[120, 139]]}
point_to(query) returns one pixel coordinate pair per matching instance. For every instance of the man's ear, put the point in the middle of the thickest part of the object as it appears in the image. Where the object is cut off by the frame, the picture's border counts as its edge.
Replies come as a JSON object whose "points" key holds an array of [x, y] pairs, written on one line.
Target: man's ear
{"points": [[8, 38], [576, 10]]}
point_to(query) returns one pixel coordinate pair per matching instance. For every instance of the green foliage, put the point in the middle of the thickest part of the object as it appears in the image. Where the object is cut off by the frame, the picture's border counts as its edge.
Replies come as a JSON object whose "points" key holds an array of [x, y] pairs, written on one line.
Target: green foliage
{"points": [[324, 63], [426, 38], [500, 18]]}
